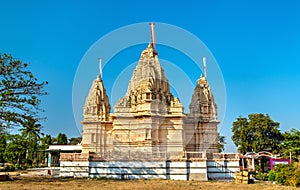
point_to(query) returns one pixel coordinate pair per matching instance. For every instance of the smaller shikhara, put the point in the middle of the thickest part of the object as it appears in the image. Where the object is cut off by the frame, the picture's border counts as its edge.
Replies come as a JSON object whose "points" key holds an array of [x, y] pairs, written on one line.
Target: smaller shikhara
{"points": [[149, 122]]}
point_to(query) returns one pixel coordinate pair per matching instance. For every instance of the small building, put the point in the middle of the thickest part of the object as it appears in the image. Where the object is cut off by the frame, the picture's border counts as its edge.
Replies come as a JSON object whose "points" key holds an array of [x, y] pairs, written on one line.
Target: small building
{"points": [[54, 152], [264, 159]]}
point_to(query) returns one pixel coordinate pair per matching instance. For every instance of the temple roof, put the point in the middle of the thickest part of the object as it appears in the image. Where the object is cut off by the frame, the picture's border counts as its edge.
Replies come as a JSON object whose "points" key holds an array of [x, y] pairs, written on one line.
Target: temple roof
{"points": [[148, 75], [148, 84], [97, 105], [203, 104]]}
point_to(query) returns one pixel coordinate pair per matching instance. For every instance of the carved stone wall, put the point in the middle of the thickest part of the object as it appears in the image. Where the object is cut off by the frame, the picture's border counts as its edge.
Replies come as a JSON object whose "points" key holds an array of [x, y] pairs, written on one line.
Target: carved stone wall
{"points": [[149, 116], [201, 129], [149, 120], [97, 124], [97, 105]]}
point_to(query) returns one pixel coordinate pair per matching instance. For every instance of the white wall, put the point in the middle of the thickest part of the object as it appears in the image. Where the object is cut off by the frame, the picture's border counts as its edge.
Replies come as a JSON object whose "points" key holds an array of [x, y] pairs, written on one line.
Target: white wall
{"points": [[177, 170]]}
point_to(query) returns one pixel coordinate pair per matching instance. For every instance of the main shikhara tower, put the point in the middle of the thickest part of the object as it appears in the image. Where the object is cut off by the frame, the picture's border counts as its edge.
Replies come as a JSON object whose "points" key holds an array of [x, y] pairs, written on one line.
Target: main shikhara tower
{"points": [[149, 121]]}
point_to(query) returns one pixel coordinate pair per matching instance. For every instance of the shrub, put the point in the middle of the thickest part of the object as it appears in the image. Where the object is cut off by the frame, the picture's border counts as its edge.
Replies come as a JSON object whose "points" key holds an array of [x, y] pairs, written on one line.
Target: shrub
{"points": [[9, 168], [17, 166], [271, 176], [261, 176], [288, 174], [295, 179], [25, 167]]}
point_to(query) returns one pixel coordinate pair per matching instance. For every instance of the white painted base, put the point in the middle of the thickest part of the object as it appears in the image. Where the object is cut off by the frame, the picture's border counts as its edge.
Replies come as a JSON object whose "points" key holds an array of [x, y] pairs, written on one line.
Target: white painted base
{"points": [[176, 170]]}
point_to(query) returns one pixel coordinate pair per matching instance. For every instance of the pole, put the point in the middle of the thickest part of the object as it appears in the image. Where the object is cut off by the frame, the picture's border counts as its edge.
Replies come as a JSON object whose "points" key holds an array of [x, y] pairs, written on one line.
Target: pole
{"points": [[100, 67], [243, 163], [204, 66], [253, 165], [152, 34]]}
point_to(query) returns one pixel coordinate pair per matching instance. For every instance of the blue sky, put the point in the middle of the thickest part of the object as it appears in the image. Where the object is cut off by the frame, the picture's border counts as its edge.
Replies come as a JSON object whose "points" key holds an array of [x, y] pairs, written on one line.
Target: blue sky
{"points": [[256, 44]]}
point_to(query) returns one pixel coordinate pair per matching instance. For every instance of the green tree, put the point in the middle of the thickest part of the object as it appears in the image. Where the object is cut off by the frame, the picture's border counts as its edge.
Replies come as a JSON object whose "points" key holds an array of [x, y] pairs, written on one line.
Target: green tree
{"points": [[44, 144], [31, 133], [54, 140], [256, 133], [19, 93], [47, 140], [15, 150], [62, 139], [221, 142], [291, 144], [75, 141], [2, 148]]}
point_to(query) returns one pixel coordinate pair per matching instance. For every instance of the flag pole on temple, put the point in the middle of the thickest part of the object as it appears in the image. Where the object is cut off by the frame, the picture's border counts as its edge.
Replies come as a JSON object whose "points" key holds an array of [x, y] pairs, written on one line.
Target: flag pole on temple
{"points": [[152, 34], [100, 67]]}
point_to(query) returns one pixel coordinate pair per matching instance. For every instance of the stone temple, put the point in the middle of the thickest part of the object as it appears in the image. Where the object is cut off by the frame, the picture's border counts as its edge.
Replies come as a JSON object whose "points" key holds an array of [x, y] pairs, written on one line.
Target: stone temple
{"points": [[148, 128], [149, 120]]}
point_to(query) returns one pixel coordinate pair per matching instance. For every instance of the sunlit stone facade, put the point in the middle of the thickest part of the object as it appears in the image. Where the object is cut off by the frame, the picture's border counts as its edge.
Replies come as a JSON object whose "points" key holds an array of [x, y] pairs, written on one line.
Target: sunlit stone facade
{"points": [[149, 122]]}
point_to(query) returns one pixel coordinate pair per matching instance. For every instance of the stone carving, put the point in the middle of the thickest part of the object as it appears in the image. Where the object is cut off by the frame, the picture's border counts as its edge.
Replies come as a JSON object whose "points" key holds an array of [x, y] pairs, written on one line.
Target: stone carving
{"points": [[97, 103], [203, 103], [149, 120]]}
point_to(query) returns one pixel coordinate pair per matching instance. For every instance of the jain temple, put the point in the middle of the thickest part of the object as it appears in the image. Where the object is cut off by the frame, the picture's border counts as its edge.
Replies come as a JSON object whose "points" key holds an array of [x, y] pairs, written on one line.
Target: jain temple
{"points": [[149, 135]]}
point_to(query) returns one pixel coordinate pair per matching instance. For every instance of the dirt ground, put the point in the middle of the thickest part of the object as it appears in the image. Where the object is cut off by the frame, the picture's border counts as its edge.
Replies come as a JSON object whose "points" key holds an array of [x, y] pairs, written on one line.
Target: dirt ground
{"points": [[47, 182]]}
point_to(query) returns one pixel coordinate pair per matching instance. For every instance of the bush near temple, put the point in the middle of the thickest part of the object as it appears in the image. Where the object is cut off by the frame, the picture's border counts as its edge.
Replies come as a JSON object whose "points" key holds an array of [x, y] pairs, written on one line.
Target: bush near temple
{"points": [[287, 174]]}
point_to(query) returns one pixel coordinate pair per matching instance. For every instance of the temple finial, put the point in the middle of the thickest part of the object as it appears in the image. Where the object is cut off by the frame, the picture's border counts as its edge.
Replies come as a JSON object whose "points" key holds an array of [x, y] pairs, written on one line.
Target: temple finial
{"points": [[152, 34], [100, 67], [204, 66]]}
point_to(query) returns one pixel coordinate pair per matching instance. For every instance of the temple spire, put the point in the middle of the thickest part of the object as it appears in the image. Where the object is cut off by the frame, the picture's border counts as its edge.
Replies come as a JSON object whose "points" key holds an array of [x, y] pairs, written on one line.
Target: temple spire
{"points": [[100, 67], [152, 34], [204, 66]]}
